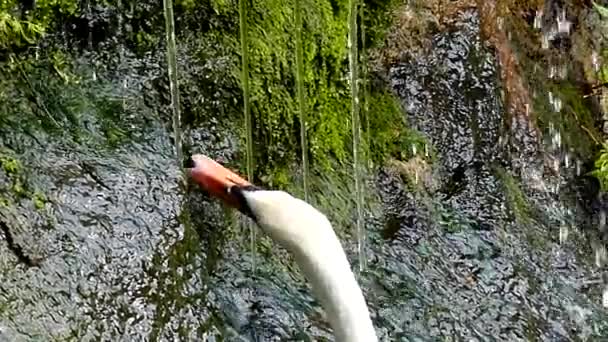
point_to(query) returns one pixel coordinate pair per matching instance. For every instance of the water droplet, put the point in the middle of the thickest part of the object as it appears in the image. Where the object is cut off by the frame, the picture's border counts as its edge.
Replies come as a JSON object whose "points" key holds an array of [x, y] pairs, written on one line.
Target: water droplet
{"points": [[600, 256], [563, 234], [563, 24], [557, 105], [556, 168], [544, 43], [595, 61], [563, 71], [538, 20], [556, 140]]}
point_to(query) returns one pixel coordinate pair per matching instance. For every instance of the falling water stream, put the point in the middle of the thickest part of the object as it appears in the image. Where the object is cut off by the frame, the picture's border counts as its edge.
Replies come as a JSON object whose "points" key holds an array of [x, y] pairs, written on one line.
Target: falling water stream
{"points": [[247, 113], [365, 83], [356, 128], [300, 93], [173, 84]]}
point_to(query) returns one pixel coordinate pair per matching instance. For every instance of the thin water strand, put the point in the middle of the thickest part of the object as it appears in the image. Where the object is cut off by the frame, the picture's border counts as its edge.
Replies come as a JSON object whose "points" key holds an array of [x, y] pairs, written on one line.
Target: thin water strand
{"points": [[173, 85], [365, 82], [356, 127], [300, 92], [247, 114]]}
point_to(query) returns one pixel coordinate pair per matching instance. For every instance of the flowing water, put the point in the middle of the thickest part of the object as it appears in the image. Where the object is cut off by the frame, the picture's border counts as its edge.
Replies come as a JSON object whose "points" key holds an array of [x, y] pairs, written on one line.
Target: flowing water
{"points": [[355, 118], [364, 57], [173, 77], [247, 112], [301, 103], [476, 256]]}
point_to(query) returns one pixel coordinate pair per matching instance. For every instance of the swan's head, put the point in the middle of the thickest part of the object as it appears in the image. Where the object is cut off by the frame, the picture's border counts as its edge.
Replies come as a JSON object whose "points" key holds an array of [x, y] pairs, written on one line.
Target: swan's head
{"points": [[284, 217]]}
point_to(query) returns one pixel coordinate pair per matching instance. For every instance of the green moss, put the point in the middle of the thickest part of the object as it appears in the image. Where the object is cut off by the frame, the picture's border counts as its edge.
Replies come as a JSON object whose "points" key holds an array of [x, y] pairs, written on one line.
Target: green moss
{"points": [[9, 164], [39, 200], [272, 61], [388, 132], [516, 199], [16, 188], [272, 67]]}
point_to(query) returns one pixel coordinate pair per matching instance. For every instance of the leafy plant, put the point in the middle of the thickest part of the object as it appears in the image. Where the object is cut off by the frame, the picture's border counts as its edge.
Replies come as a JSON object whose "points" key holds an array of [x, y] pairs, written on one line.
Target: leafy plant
{"points": [[601, 167], [19, 29], [14, 31]]}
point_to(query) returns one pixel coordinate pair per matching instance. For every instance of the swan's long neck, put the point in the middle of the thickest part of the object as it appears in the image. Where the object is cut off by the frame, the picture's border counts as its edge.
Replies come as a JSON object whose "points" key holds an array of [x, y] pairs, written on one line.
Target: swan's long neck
{"points": [[327, 269], [307, 233]]}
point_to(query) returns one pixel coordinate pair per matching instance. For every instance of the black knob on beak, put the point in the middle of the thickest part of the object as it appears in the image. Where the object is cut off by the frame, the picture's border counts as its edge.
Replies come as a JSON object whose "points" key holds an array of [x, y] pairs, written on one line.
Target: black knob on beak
{"points": [[189, 163]]}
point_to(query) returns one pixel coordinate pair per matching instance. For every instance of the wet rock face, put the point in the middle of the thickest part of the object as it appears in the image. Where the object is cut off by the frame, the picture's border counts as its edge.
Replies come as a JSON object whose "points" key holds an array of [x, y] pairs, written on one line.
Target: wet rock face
{"points": [[450, 94], [112, 212], [463, 264]]}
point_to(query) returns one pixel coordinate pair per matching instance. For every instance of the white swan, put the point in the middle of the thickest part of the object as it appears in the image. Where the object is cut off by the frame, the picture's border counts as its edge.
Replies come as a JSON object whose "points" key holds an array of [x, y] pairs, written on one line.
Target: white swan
{"points": [[307, 234]]}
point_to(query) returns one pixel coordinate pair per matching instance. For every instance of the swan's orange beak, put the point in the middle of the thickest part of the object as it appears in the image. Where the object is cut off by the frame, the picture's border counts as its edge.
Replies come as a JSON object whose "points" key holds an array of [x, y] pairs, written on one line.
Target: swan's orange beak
{"points": [[215, 179]]}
